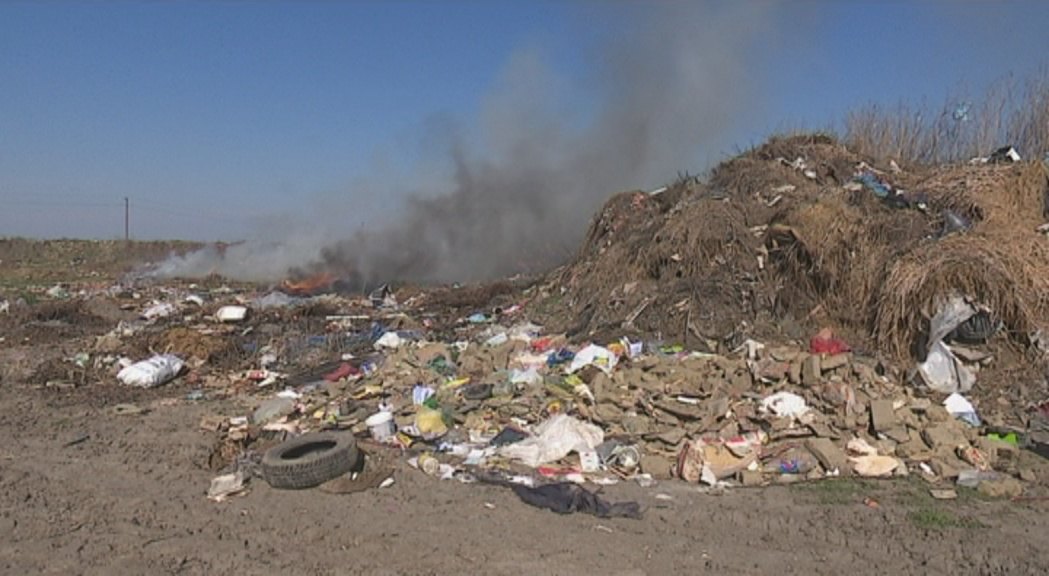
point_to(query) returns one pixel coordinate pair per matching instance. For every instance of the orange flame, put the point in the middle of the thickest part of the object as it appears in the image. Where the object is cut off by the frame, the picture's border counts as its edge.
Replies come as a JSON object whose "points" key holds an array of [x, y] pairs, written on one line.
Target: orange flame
{"points": [[310, 285]]}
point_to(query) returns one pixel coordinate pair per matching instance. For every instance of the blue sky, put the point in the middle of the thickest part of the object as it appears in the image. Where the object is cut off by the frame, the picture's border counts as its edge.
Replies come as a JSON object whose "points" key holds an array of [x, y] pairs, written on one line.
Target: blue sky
{"points": [[213, 117]]}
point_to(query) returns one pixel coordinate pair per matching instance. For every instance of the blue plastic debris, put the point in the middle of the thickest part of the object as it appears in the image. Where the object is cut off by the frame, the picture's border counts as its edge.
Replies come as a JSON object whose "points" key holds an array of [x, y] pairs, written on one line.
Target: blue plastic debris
{"points": [[559, 357], [874, 184]]}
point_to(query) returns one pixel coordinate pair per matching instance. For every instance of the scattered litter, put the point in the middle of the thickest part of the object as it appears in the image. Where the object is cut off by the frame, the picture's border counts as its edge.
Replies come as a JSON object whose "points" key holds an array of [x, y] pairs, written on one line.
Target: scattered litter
{"points": [[959, 407], [497, 340], [1004, 155], [272, 409], [275, 300], [568, 498], [159, 310], [382, 297], [420, 394], [712, 460], [222, 487]]}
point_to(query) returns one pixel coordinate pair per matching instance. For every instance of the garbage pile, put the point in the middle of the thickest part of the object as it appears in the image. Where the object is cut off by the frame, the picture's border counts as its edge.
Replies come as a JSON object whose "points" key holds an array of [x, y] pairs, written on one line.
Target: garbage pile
{"points": [[801, 233], [802, 316], [503, 401]]}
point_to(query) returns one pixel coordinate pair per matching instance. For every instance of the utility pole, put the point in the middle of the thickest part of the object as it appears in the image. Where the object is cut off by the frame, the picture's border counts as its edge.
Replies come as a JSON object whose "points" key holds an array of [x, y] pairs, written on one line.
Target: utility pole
{"points": [[127, 219]]}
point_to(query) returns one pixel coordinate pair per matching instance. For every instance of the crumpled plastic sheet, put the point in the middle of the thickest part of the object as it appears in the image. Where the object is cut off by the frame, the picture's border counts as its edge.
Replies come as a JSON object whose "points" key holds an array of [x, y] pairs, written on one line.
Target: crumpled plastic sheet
{"points": [[942, 371], [553, 440]]}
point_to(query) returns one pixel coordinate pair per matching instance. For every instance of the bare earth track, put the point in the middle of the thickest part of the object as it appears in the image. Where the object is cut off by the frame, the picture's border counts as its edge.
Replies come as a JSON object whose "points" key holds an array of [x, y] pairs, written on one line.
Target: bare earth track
{"points": [[129, 499]]}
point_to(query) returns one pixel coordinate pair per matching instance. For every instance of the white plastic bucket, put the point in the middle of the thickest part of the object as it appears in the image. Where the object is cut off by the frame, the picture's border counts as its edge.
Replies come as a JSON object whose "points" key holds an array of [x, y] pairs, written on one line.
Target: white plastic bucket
{"points": [[381, 426]]}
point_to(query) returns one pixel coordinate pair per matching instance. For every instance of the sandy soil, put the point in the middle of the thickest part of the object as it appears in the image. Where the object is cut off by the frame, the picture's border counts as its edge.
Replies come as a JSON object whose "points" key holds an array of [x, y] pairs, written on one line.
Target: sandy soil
{"points": [[83, 491]]}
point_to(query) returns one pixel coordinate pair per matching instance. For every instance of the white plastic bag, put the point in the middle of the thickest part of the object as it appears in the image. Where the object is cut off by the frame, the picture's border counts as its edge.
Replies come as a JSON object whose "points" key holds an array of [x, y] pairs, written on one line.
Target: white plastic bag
{"points": [[785, 405], [944, 373], [530, 375], [231, 313], [594, 355], [159, 310], [553, 440], [389, 340], [155, 371]]}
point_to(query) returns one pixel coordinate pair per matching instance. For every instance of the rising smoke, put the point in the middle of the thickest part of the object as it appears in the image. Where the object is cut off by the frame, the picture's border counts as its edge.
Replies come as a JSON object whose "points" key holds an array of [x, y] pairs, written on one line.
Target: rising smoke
{"points": [[524, 179]]}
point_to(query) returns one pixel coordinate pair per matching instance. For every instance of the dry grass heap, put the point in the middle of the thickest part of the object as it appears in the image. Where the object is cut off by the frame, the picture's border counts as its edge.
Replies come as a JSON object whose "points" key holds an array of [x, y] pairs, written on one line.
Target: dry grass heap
{"points": [[764, 243]]}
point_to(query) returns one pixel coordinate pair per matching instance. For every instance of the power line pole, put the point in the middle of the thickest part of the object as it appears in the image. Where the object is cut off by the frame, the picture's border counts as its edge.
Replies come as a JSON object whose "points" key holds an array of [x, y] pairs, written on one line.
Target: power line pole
{"points": [[127, 219]]}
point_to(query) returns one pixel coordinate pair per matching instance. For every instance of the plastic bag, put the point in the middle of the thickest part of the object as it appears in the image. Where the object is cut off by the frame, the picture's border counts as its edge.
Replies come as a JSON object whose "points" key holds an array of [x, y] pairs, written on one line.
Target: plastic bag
{"points": [[389, 340], [159, 310], [785, 404], [944, 373], [155, 371], [231, 313], [594, 355], [952, 315], [553, 440]]}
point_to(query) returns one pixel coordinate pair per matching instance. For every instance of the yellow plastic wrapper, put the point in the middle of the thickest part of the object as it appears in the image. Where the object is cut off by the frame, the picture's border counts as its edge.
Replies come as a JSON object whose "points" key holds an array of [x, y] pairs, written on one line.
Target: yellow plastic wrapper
{"points": [[430, 422]]}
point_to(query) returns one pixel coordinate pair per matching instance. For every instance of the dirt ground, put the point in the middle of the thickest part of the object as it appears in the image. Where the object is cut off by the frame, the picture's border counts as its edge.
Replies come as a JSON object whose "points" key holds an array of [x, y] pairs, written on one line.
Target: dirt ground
{"points": [[84, 491]]}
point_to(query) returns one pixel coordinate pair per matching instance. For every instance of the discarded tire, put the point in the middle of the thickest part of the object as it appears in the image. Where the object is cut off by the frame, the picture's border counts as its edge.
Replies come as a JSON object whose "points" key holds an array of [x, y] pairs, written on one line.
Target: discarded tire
{"points": [[309, 460]]}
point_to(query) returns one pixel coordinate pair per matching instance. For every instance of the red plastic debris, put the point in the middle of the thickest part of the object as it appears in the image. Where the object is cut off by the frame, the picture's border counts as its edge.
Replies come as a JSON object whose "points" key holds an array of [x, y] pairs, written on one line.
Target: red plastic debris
{"points": [[541, 345], [824, 342], [343, 371]]}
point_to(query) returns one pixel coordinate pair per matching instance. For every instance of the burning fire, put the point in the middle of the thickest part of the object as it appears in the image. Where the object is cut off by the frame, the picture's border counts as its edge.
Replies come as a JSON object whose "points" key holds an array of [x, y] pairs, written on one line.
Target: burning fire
{"points": [[310, 285]]}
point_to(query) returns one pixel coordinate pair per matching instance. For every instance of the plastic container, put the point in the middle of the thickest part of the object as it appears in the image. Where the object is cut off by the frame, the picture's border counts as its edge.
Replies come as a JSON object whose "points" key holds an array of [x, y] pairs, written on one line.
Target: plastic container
{"points": [[381, 426]]}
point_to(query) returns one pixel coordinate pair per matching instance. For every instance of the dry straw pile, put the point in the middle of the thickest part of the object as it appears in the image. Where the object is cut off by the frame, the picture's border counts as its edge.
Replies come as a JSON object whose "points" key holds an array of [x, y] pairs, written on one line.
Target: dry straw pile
{"points": [[782, 230]]}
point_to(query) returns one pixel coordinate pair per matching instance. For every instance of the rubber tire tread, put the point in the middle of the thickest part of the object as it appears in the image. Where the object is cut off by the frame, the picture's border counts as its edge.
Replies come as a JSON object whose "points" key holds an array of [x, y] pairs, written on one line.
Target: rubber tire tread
{"points": [[313, 468]]}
